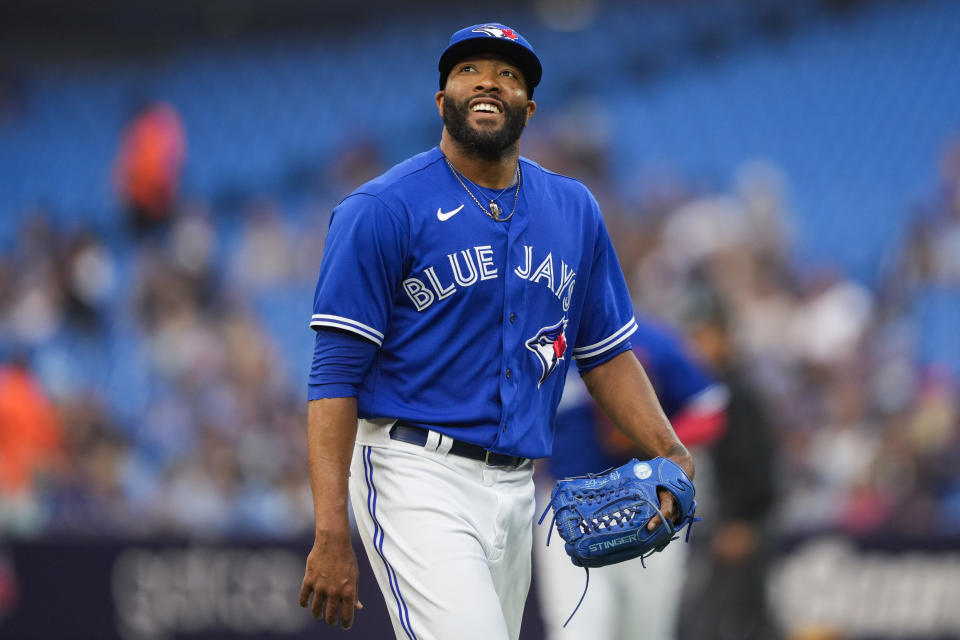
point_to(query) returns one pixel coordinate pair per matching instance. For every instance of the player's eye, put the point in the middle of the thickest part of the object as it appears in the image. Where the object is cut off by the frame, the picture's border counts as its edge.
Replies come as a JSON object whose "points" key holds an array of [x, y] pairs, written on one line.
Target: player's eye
{"points": [[467, 67], [509, 73]]}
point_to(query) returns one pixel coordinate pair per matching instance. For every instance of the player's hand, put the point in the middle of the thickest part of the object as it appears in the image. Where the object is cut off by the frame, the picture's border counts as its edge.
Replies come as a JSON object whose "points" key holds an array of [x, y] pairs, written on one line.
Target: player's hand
{"points": [[668, 507], [331, 576]]}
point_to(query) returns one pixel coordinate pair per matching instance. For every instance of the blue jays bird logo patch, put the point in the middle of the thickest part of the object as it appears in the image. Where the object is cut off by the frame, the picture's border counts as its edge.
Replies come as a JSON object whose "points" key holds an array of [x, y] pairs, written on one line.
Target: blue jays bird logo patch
{"points": [[497, 31], [549, 345]]}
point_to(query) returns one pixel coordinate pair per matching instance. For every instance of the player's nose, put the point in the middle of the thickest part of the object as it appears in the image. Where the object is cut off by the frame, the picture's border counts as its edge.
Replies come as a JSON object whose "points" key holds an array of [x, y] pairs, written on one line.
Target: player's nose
{"points": [[488, 81]]}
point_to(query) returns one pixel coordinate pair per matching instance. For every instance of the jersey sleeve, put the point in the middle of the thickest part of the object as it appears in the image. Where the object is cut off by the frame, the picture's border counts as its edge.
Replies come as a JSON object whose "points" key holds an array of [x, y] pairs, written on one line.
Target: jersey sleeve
{"points": [[607, 321], [361, 269], [340, 363]]}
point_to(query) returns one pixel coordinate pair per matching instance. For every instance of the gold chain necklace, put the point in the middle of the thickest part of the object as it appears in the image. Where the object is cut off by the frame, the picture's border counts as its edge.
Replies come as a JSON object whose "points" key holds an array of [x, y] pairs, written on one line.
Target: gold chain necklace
{"points": [[494, 211]]}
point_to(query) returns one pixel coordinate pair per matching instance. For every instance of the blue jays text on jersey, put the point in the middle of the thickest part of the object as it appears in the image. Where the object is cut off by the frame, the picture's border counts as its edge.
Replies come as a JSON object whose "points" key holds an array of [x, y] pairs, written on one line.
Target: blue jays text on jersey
{"points": [[469, 266], [473, 317]]}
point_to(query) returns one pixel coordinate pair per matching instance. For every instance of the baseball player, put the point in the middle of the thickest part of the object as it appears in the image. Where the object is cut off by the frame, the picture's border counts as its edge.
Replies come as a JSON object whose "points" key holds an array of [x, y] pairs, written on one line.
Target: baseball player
{"points": [[454, 292], [626, 600]]}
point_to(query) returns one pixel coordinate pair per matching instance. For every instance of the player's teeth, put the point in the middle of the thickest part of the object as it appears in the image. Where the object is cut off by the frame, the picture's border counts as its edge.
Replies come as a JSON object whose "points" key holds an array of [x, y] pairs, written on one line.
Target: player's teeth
{"points": [[483, 106]]}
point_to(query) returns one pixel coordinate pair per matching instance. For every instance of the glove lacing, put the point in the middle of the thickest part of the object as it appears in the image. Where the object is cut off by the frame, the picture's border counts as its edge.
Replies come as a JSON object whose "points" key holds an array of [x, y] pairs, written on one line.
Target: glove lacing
{"points": [[664, 521]]}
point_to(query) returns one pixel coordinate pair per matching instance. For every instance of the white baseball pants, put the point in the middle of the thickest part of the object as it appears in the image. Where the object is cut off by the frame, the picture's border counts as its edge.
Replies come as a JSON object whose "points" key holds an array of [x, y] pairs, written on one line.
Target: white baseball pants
{"points": [[449, 538]]}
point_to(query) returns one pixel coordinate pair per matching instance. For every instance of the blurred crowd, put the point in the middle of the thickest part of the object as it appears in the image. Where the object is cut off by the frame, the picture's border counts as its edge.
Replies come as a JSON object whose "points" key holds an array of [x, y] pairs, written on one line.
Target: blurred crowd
{"points": [[868, 426], [153, 401], [868, 433], [142, 392]]}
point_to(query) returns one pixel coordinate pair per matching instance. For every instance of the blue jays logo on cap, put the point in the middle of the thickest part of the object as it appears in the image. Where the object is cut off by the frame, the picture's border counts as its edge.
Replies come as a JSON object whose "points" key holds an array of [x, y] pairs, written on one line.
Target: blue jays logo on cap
{"points": [[498, 31], [549, 345], [492, 37]]}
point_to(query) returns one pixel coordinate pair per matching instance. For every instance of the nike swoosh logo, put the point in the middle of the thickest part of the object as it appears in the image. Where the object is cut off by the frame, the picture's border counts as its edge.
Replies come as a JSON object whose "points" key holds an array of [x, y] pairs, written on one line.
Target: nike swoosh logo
{"points": [[441, 216]]}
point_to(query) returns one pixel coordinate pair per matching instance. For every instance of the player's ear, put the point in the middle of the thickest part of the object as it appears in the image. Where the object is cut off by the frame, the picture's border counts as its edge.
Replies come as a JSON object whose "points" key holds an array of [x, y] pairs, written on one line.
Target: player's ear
{"points": [[439, 99], [531, 109]]}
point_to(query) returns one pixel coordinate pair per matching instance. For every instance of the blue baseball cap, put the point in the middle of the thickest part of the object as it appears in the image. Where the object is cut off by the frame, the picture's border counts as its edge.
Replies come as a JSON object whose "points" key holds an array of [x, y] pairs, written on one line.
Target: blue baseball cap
{"points": [[492, 37]]}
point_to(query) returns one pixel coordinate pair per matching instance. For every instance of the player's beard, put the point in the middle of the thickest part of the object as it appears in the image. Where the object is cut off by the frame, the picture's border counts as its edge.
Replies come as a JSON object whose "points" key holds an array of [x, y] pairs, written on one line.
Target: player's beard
{"points": [[489, 144]]}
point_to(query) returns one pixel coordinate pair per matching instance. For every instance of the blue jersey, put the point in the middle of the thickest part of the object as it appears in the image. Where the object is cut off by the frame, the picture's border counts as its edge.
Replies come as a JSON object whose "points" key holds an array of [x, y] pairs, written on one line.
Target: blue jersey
{"points": [[676, 377], [476, 320]]}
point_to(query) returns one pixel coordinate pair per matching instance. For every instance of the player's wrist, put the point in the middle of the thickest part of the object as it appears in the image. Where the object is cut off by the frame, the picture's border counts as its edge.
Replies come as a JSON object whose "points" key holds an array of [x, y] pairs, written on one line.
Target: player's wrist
{"points": [[326, 534], [680, 456]]}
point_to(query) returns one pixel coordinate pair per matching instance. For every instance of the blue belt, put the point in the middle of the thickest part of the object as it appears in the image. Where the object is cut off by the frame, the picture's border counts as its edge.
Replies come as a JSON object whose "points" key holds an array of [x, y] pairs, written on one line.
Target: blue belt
{"points": [[415, 435]]}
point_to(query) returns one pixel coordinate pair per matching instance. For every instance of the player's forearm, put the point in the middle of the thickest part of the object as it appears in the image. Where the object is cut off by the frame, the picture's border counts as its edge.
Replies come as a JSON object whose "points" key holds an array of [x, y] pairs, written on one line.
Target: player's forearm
{"points": [[331, 432], [621, 388]]}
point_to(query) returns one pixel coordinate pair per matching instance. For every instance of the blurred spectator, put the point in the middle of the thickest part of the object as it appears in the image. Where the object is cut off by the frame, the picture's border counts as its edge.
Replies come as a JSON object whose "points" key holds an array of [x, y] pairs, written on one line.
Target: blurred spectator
{"points": [[30, 443], [87, 495], [931, 253], [762, 188], [148, 165], [35, 295], [88, 276], [726, 595], [830, 320], [263, 260]]}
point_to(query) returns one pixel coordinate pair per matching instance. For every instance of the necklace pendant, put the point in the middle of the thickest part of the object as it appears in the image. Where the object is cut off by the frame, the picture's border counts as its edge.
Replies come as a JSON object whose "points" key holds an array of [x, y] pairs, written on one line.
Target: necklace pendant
{"points": [[495, 210]]}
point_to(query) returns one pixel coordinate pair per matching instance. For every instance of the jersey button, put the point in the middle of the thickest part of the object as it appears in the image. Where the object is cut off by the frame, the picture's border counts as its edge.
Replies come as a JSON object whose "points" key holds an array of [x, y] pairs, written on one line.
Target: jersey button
{"points": [[509, 373], [513, 317]]}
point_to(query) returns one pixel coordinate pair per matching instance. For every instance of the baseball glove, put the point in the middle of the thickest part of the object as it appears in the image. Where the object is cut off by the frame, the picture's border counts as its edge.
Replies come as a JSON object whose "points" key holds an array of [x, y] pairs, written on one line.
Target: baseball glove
{"points": [[603, 517]]}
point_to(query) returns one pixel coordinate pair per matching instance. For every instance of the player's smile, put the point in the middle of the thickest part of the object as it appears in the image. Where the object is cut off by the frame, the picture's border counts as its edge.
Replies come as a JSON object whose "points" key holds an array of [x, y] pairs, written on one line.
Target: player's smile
{"points": [[486, 106], [489, 107], [486, 112]]}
